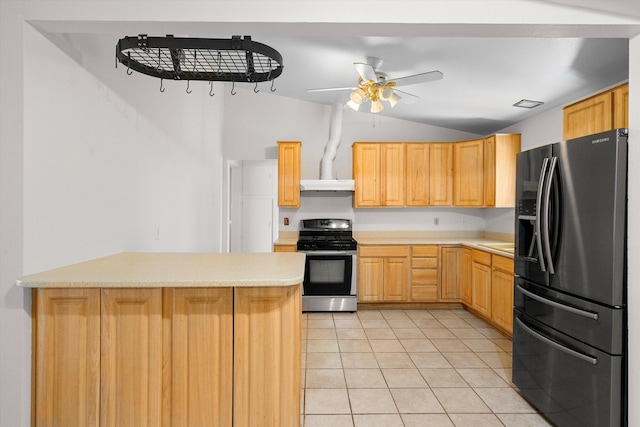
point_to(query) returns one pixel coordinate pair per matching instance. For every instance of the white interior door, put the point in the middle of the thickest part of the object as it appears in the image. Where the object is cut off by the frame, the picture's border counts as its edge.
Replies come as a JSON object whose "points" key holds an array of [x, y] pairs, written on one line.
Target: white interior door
{"points": [[253, 206]]}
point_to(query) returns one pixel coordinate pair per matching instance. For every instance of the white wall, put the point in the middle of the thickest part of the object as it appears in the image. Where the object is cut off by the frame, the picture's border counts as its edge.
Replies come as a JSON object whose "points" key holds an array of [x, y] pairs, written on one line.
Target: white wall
{"points": [[112, 164]]}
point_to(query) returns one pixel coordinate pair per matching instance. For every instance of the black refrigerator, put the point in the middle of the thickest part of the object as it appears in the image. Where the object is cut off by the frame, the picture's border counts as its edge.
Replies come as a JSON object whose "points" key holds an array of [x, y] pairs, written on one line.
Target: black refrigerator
{"points": [[570, 298]]}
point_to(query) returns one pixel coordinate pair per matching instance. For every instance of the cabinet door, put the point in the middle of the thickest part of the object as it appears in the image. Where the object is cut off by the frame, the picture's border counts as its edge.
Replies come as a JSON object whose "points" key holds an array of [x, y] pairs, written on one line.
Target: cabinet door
{"points": [[490, 171], [468, 173], [593, 115], [417, 174], [67, 353], [441, 174], [451, 272], [466, 277], [621, 107], [366, 173], [289, 174], [202, 356], [370, 279], [267, 371], [502, 292], [131, 357], [396, 271], [393, 175], [481, 288]]}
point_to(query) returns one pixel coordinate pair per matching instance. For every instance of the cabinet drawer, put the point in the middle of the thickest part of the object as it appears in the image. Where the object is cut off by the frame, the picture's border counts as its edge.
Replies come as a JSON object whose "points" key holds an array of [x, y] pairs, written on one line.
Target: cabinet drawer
{"points": [[424, 277], [424, 262], [503, 263], [424, 293], [481, 257], [431, 250], [383, 251]]}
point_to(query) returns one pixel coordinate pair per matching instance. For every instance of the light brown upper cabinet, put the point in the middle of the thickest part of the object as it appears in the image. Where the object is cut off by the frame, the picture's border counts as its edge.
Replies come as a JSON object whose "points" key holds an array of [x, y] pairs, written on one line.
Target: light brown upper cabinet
{"points": [[500, 170], [441, 174], [289, 174], [366, 173], [379, 174], [417, 174], [598, 113], [468, 173]]}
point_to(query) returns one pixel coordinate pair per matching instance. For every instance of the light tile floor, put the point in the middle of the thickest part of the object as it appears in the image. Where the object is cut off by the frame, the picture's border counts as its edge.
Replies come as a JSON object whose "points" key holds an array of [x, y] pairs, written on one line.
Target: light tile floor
{"points": [[436, 368]]}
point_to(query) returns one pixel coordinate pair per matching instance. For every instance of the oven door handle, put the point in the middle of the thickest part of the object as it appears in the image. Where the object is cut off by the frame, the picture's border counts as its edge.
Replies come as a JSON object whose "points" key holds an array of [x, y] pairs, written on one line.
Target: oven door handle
{"points": [[328, 252]]}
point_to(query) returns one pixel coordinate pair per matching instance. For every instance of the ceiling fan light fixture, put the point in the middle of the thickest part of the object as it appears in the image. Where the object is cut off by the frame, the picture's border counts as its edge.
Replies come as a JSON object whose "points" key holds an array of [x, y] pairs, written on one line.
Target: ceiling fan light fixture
{"points": [[386, 92], [353, 105], [358, 96], [376, 106], [394, 99]]}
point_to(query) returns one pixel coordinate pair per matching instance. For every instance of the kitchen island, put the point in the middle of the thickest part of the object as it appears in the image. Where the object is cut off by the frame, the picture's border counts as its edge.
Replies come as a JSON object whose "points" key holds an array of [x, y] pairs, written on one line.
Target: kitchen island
{"points": [[154, 339]]}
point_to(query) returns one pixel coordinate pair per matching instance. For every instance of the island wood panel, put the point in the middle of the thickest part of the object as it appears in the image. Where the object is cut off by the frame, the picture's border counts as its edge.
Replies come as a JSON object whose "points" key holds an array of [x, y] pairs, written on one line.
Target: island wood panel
{"points": [[267, 357], [202, 357], [67, 345], [131, 357]]}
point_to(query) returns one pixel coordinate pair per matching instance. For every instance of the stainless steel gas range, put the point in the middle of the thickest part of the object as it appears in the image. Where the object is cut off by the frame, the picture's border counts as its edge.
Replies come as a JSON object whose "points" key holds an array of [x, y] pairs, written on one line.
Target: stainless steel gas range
{"points": [[330, 270]]}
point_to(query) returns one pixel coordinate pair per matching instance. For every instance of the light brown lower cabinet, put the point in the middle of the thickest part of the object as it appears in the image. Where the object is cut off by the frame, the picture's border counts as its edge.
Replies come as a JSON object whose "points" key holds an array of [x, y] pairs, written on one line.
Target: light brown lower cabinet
{"points": [[502, 292], [465, 284], [425, 278], [481, 282], [383, 273], [450, 273], [167, 357]]}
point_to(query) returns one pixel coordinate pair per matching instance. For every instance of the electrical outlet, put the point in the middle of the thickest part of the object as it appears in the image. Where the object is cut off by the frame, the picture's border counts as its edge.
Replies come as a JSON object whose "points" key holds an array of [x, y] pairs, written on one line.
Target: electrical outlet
{"points": [[286, 220], [436, 221]]}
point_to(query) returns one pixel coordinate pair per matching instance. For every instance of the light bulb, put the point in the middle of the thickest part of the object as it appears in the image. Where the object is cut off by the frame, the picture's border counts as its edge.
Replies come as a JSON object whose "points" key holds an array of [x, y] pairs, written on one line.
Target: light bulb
{"points": [[376, 106], [353, 105]]}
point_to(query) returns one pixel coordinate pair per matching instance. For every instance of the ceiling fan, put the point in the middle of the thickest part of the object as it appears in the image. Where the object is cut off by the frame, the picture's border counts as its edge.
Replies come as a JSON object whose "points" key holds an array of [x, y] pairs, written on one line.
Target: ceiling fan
{"points": [[376, 86]]}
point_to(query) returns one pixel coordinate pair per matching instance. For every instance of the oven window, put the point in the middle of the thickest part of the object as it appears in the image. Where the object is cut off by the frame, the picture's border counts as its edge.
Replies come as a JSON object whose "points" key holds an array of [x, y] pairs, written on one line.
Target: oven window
{"points": [[328, 275], [326, 271]]}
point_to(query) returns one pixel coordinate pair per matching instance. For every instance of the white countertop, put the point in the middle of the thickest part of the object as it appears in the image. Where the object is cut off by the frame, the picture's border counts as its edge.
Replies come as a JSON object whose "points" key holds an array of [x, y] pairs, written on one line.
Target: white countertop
{"points": [[134, 270]]}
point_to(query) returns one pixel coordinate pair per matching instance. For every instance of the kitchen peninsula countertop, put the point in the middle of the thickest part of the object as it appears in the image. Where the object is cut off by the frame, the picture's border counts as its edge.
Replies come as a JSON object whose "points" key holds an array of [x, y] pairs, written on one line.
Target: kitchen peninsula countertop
{"points": [[140, 269]]}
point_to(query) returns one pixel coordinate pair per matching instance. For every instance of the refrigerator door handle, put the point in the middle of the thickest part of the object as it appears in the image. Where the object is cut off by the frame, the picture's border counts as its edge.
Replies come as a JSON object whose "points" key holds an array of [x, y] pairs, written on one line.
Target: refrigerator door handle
{"points": [[539, 336], [545, 215], [538, 228], [573, 310]]}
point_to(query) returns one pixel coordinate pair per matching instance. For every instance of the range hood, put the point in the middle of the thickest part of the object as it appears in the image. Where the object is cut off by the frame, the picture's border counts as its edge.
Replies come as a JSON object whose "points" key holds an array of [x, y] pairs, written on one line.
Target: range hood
{"points": [[327, 185]]}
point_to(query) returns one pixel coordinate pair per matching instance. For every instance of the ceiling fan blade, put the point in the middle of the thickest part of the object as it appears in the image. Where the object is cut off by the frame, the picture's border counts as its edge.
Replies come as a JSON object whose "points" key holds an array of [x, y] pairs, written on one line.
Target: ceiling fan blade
{"points": [[418, 78], [407, 98], [366, 71], [329, 89]]}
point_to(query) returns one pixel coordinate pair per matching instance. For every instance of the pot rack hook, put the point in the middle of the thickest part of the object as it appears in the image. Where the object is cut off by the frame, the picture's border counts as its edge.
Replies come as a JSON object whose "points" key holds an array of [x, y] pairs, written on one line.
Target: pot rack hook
{"points": [[129, 72], [233, 88], [188, 90], [273, 89], [255, 89], [211, 90], [161, 88]]}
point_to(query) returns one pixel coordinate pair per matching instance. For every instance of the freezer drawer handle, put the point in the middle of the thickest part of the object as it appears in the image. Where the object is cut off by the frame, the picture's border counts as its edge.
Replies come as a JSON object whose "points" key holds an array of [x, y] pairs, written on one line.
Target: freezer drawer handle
{"points": [[554, 344], [583, 313]]}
